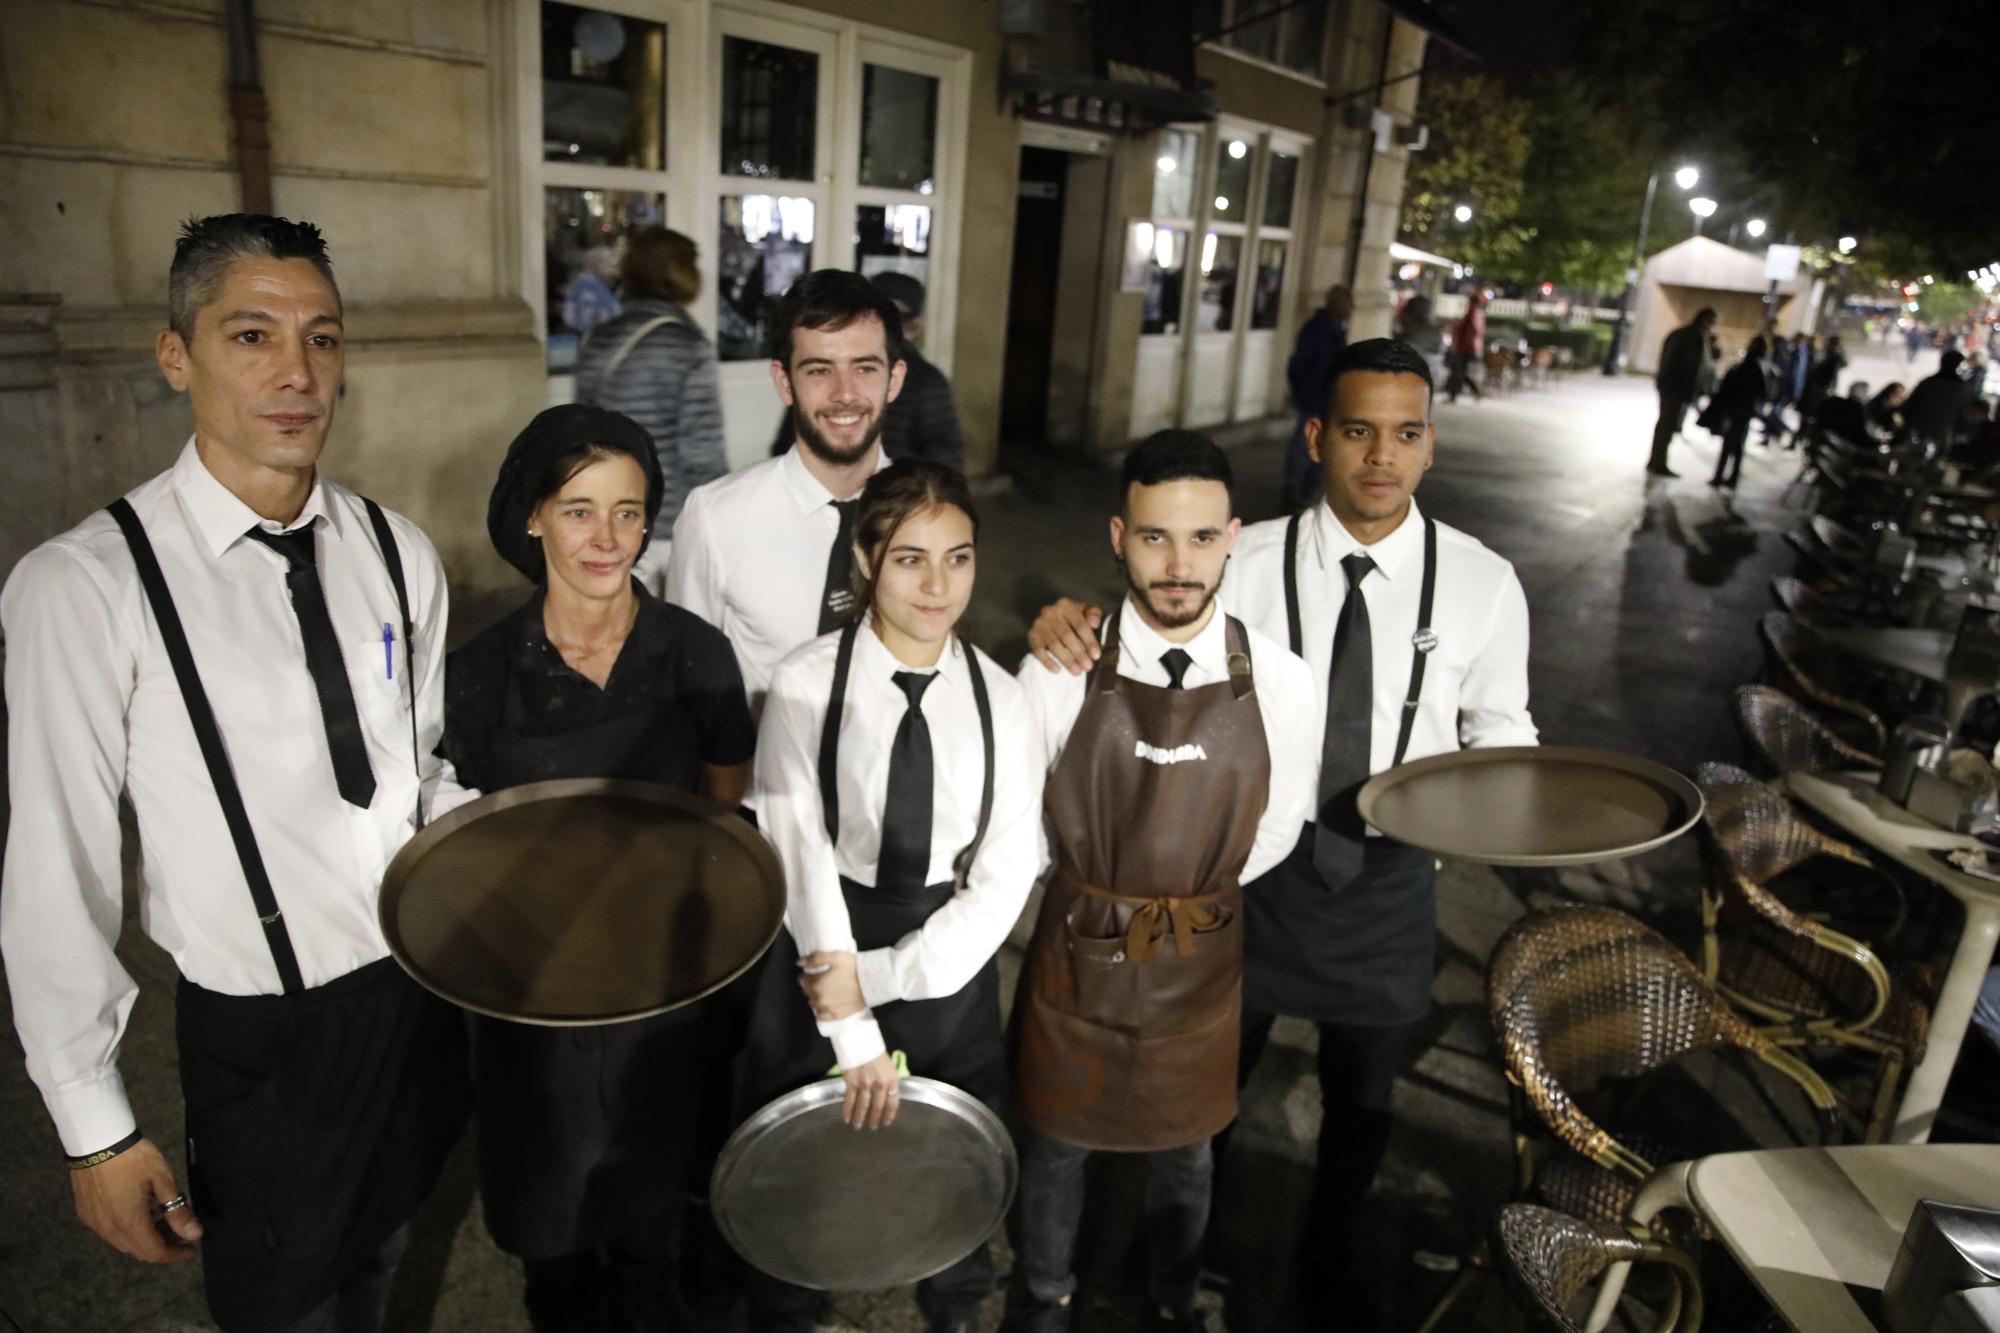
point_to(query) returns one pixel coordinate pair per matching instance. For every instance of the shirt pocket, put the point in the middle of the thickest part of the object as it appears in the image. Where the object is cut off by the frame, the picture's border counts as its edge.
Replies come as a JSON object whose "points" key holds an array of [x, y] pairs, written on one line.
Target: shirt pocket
{"points": [[376, 671]]}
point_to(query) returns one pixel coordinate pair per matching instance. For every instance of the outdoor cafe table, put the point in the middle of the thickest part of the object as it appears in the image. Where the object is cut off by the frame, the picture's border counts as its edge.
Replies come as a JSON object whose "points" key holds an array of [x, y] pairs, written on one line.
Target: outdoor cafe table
{"points": [[1812, 1226], [1850, 801]]}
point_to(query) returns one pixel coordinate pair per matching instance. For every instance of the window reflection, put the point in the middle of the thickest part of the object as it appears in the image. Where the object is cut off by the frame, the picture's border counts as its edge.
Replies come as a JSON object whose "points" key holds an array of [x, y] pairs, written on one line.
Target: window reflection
{"points": [[1268, 296], [898, 129], [895, 238], [1283, 181], [766, 244], [1221, 257], [583, 235], [1173, 175], [604, 88], [770, 106], [1232, 177], [1165, 274]]}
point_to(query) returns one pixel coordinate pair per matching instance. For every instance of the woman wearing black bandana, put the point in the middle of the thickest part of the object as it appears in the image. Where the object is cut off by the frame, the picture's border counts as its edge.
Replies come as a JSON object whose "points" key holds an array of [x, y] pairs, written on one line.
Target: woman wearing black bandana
{"points": [[586, 1134]]}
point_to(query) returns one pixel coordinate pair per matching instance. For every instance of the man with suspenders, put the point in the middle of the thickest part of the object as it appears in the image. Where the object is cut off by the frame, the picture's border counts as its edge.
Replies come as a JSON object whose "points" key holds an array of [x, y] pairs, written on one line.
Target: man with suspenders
{"points": [[1431, 656], [253, 655]]}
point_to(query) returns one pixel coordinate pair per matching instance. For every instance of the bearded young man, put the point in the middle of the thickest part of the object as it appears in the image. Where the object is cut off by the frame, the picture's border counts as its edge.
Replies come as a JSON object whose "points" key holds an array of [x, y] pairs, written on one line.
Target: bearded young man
{"points": [[766, 554], [1181, 766]]}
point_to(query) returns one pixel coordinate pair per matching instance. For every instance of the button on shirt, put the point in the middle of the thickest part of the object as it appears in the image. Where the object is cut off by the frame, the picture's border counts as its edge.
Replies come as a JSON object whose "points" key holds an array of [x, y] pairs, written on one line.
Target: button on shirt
{"points": [[1286, 700], [941, 957], [749, 557], [1476, 682], [93, 708]]}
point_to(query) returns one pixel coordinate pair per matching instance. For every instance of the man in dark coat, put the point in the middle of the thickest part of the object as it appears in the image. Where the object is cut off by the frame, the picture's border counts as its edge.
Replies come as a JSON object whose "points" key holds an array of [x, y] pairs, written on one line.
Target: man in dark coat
{"points": [[1680, 363], [1935, 408], [921, 422], [1320, 340]]}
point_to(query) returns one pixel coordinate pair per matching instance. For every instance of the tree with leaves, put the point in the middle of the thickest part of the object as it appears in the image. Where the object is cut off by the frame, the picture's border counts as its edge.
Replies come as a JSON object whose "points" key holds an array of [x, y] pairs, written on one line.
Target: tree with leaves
{"points": [[1478, 150]]}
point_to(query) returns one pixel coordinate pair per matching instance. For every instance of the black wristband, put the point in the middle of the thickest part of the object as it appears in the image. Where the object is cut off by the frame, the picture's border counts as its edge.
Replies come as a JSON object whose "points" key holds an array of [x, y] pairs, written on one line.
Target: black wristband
{"points": [[102, 1155]]}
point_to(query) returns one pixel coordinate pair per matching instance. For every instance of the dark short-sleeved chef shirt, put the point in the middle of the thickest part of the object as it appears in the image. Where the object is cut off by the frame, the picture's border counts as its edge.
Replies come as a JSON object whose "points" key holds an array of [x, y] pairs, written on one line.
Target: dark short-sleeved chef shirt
{"points": [[515, 712]]}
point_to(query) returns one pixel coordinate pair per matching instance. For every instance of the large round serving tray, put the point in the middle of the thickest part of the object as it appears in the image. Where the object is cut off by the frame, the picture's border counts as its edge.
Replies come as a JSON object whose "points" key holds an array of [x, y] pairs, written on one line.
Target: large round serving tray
{"points": [[587, 900], [1531, 805], [807, 1198]]}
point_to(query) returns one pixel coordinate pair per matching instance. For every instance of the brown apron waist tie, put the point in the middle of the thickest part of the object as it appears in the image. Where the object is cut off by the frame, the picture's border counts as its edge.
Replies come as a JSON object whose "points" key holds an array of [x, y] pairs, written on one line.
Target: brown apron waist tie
{"points": [[1154, 918]]}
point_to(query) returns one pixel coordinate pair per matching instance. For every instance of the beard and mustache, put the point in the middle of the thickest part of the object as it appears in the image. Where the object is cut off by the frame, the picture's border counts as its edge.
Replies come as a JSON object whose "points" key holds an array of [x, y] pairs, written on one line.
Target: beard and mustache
{"points": [[1166, 617], [807, 432]]}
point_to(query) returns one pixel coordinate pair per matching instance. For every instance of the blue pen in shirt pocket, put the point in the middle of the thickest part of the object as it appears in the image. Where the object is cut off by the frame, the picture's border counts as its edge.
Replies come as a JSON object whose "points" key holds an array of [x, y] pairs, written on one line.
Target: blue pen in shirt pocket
{"points": [[388, 651]]}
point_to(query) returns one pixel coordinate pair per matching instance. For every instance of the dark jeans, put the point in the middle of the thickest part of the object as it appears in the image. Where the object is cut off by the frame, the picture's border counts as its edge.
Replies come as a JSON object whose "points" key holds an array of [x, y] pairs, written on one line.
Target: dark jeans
{"points": [[1673, 411], [1729, 463], [1358, 1065], [363, 1300], [617, 1287], [1051, 1209], [1460, 378]]}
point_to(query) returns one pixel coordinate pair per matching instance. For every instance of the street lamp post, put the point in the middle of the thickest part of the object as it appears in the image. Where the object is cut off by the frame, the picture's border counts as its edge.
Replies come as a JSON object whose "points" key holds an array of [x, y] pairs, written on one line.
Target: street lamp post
{"points": [[1685, 177], [1703, 209]]}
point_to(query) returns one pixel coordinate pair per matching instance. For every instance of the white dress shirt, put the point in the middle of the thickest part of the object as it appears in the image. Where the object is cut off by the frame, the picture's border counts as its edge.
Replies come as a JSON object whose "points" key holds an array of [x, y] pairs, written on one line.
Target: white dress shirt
{"points": [[93, 708], [1286, 701], [942, 956], [750, 555], [1476, 681]]}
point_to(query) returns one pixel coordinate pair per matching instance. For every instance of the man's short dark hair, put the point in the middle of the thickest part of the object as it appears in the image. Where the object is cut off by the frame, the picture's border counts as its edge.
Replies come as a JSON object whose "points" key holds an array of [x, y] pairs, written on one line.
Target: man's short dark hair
{"points": [[1175, 455], [903, 289], [1707, 312], [1379, 356], [208, 246], [1950, 361], [832, 298]]}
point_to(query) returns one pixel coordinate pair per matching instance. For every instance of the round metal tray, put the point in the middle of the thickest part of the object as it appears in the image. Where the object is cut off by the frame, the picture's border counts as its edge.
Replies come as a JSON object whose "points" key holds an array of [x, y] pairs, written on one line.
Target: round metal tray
{"points": [[1531, 805], [809, 1199], [580, 901]]}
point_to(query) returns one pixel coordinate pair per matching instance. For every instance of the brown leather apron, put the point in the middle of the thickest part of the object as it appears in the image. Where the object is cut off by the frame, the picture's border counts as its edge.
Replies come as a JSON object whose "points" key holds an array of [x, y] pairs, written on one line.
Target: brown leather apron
{"points": [[1131, 1003]]}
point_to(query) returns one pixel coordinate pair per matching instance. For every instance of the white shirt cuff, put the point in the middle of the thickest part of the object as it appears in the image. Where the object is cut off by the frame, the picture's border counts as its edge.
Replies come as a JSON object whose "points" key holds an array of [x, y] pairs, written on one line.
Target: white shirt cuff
{"points": [[91, 1115], [856, 1039], [875, 969]]}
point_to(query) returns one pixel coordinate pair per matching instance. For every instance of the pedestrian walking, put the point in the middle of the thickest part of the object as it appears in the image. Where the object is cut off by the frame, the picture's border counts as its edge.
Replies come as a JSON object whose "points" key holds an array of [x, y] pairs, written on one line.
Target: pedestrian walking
{"points": [[1417, 328], [1320, 340], [1468, 344], [1738, 401], [1682, 358]]}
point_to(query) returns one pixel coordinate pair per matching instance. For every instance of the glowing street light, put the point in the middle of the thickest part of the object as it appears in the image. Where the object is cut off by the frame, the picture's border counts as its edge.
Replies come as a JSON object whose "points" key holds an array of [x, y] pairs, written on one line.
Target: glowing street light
{"points": [[1847, 244], [1462, 213], [1687, 177], [1237, 148], [1703, 209], [1755, 226], [1928, 279]]}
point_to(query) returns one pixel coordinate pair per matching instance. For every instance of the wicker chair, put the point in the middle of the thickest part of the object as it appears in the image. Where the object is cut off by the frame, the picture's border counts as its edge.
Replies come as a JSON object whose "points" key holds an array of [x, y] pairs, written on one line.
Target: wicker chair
{"points": [[1579, 995], [1555, 1258], [1789, 739], [1810, 982], [1805, 662], [1825, 605]]}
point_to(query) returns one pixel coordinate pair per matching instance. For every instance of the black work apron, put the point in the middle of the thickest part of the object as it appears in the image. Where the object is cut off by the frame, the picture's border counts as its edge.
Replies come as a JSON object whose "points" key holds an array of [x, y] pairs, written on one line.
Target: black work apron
{"points": [[317, 1119], [955, 1038]]}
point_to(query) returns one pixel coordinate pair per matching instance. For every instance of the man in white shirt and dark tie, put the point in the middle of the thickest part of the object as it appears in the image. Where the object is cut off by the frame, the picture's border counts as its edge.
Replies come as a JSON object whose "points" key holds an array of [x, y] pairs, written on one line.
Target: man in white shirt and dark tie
{"points": [[766, 554], [253, 655], [1431, 657]]}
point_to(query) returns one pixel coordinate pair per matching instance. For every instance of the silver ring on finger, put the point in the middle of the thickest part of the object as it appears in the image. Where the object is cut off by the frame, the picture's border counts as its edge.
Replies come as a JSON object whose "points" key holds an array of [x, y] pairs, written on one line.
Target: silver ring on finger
{"points": [[174, 1204]]}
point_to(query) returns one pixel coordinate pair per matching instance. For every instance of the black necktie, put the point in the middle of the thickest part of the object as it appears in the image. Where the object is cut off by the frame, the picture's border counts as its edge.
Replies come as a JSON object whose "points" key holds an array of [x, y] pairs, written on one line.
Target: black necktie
{"points": [[905, 862], [351, 769], [838, 598], [1176, 661], [1343, 755]]}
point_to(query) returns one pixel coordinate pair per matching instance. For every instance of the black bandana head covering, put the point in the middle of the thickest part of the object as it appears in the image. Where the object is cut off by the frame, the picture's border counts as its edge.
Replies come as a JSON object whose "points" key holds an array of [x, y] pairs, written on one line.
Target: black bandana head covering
{"points": [[552, 434]]}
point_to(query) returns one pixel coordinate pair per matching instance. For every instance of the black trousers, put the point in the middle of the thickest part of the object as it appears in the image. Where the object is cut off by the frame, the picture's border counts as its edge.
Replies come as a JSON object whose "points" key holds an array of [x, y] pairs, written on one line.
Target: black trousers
{"points": [[1729, 463], [1050, 1203], [1673, 412], [1358, 1066]]}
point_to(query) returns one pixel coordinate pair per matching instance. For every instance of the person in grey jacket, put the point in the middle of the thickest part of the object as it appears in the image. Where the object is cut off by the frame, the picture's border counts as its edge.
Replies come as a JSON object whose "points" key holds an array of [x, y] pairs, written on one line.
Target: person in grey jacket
{"points": [[1681, 359], [654, 364]]}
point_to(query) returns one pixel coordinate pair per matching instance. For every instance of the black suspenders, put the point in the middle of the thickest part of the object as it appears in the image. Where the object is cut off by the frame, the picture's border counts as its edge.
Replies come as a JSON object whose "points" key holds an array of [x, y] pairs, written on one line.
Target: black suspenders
{"points": [[1421, 642], [829, 749], [393, 559], [209, 737]]}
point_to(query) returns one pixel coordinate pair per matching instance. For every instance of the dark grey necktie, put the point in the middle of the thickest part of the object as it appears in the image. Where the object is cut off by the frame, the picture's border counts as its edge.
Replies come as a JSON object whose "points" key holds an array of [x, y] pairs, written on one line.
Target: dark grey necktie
{"points": [[351, 769], [1343, 756], [837, 599], [1176, 661], [905, 861]]}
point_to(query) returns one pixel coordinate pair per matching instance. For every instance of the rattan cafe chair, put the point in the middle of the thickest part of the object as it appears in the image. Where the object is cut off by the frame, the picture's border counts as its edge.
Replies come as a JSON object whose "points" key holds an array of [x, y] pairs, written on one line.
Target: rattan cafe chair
{"points": [[1788, 739], [1555, 1258], [1582, 995], [1801, 660], [1810, 605], [1808, 981]]}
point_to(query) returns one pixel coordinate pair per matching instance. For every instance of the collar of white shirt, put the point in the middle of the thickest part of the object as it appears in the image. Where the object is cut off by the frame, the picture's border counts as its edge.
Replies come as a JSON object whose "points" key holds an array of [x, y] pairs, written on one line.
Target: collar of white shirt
{"points": [[807, 491], [1399, 551], [220, 517], [1142, 646], [872, 658]]}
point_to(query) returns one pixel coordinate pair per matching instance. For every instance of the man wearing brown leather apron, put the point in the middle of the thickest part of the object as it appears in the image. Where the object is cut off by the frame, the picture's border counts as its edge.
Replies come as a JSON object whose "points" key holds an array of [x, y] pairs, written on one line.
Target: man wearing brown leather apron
{"points": [[1183, 763], [1418, 635]]}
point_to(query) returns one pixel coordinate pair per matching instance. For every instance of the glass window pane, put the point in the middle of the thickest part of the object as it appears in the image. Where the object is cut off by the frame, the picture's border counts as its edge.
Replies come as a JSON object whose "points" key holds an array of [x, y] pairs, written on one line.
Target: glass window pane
{"points": [[1305, 39], [1258, 39], [583, 237], [1215, 310], [1173, 175], [770, 110], [1281, 183], [765, 245], [898, 129], [893, 238], [1164, 275], [604, 88], [1269, 293], [1232, 176]]}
